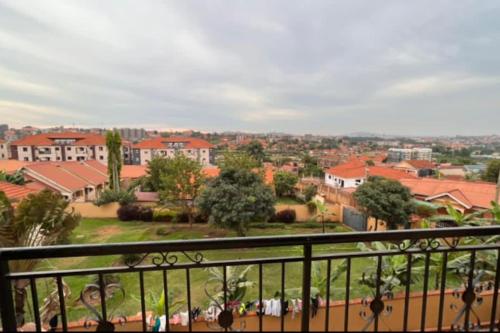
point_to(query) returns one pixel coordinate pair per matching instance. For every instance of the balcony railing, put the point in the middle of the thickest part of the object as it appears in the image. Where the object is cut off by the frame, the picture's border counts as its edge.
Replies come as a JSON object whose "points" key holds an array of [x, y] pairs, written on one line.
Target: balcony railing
{"points": [[441, 279]]}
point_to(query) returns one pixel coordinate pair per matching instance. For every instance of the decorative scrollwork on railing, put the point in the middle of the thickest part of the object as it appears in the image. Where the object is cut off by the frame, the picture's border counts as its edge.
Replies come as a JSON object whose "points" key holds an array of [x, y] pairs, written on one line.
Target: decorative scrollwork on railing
{"points": [[165, 258], [376, 305], [428, 244], [222, 317], [90, 297], [471, 298]]}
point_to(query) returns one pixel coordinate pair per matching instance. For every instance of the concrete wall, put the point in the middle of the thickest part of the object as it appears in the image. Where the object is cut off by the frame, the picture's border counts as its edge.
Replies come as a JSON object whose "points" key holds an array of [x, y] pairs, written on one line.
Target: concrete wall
{"points": [[88, 209], [303, 214]]}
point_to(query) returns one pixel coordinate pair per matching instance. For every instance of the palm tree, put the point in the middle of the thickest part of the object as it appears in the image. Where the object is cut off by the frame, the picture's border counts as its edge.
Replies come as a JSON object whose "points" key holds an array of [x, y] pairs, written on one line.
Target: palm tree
{"points": [[39, 220], [321, 211], [236, 283]]}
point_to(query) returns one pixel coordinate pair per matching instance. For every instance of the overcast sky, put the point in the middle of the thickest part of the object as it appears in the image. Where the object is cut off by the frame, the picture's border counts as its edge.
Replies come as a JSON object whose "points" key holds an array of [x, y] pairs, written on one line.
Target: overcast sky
{"points": [[326, 67]]}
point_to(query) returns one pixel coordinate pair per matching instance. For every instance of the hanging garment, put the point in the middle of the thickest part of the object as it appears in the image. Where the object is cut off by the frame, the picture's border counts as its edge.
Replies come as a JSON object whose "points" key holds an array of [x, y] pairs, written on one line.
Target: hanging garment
{"points": [[314, 307], [195, 313], [212, 313], [184, 318], [176, 319], [267, 307], [275, 305], [284, 308]]}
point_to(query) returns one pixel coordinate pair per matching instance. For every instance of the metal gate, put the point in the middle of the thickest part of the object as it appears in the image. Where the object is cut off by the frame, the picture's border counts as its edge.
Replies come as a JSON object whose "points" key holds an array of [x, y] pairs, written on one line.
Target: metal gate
{"points": [[354, 219]]}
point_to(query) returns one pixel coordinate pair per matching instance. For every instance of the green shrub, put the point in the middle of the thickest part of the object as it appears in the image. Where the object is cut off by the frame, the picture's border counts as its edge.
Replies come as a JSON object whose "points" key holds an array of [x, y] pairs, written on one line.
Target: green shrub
{"points": [[309, 192], [135, 213], [163, 215], [122, 197]]}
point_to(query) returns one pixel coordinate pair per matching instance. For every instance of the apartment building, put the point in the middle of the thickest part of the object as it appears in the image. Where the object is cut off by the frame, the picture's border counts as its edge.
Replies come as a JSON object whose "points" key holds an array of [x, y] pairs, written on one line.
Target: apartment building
{"points": [[197, 149], [4, 150], [403, 154], [57, 147]]}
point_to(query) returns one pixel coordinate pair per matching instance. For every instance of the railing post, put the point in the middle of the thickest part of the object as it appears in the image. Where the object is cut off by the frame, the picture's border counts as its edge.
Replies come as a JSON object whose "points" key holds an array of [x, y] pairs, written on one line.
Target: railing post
{"points": [[6, 304], [306, 286]]}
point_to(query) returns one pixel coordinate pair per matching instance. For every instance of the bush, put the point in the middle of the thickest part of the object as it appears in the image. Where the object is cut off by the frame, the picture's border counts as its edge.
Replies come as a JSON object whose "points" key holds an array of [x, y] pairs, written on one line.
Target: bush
{"points": [[135, 213], [163, 215], [131, 258], [309, 192], [311, 207], [122, 197], [181, 217], [313, 225], [285, 216]]}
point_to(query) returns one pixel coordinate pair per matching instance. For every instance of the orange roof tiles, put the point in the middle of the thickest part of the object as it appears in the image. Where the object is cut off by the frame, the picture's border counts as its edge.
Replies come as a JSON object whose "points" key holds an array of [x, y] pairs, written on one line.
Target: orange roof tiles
{"points": [[421, 164], [68, 175], [11, 166], [357, 168], [133, 171], [476, 194], [47, 139], [15, 192], [162, 143], [211, 171]]}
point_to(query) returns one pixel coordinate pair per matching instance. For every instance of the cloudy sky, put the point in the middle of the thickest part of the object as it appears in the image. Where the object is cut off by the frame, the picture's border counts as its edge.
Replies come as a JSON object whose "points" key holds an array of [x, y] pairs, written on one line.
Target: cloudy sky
{"points": [[325, 67]]}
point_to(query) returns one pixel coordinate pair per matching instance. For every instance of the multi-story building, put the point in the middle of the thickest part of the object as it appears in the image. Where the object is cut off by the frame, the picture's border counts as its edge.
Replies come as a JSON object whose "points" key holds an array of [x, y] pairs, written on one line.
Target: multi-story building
{"points": [[67, 146], [403, 154], [4, 150], [194, 148], [132, 134]]}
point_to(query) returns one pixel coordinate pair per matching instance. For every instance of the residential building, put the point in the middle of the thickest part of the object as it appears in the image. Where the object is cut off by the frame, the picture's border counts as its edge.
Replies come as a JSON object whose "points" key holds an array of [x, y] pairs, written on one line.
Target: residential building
{"points": [[132, 134], [402, 154], [419, 168], [75, 181], [197, 149], [58, 147], [354, 173], [3, 128], [4, 150], [463, 195]]}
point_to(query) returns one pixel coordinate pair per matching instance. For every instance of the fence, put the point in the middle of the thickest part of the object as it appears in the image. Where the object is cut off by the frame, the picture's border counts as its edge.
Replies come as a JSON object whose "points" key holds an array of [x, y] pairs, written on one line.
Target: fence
{"points": [[411, 259]]}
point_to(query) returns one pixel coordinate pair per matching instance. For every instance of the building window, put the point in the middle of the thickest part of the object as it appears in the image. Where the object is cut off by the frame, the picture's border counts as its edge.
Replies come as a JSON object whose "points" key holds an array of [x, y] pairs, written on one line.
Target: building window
{"points": [[101, 148], [70, 158], [101, 157], [57, 148], [329, 177], [25, 148], [26, 159], [68, 148]]}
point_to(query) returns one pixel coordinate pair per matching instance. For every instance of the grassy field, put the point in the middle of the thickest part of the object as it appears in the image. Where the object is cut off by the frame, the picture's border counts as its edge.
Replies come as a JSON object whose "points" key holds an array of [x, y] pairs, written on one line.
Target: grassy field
{"points": [[112, 231]]}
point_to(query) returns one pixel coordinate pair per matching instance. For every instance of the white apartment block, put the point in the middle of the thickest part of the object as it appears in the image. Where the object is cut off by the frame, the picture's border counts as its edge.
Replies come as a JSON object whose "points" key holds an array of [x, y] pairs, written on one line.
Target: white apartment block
{"points": [[194, 148], [57, 147], [403, 154]]}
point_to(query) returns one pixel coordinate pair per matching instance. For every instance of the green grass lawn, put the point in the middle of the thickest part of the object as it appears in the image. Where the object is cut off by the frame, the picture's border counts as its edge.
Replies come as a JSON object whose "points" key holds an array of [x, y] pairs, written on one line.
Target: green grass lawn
{"points": [[112, 231]]}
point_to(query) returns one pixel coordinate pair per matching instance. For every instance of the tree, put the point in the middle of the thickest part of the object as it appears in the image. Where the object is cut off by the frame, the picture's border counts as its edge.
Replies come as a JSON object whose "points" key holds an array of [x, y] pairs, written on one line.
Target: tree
{"points": [[387, 200], [40, 219], [284, 183], [459, 218], [309, 192], [321, 211], [114, 146], [181, 182], [235, 198], [311, 167], [16, 178], [238, 160], [256, 150], [492, 171], [156, 167]]}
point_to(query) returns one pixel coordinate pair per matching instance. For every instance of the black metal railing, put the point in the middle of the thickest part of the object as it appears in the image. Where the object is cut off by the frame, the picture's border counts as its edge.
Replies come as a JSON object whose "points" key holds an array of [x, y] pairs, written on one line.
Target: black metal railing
{"points": [[465, 260]]}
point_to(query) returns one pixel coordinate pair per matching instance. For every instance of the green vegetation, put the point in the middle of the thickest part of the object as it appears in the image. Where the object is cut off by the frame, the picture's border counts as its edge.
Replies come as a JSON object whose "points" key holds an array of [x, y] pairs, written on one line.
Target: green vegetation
{"points": [[39, 220], [284, 183], [238, 160], [236, 198], [114, 144], [16, 178], [255, 150], [387, 200], [492, 171], [181, 183]]}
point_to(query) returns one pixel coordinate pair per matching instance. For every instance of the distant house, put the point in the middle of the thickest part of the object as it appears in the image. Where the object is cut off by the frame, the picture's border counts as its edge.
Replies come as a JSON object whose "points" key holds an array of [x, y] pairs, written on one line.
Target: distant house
{"points": [[4, 150], [194, 148], [463, 195], [354, 173], [75, 181], [418, 168], [60, 147], [453, 172]]}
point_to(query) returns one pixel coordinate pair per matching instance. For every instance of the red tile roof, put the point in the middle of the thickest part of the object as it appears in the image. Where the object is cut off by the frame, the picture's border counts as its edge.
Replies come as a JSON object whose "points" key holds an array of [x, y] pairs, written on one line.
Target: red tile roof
{"points": [[211, 172], [133, 171], [421, 164], [68, 175], [472, 194], [162, 143], [11, 166], [357, 168], [47, 139], [15, 192]]}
